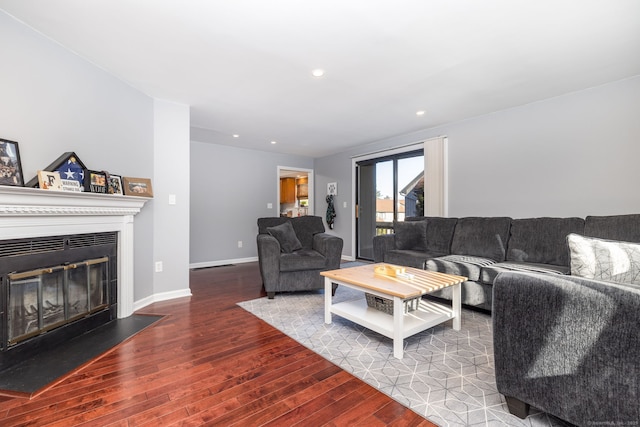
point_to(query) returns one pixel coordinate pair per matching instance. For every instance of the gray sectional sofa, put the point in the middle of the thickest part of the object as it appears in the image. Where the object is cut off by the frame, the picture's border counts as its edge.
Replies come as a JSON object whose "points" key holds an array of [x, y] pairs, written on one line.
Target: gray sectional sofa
{"points": [[482, 247], [565, 300]]}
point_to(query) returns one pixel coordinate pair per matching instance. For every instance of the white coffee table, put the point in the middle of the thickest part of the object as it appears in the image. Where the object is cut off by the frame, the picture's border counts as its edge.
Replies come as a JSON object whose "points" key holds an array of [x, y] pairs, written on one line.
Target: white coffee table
{"points": [[400, 325]]}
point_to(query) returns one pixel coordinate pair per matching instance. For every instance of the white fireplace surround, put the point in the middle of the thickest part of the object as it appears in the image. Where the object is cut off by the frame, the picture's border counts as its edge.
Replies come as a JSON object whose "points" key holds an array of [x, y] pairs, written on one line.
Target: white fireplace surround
{"points": [[32, 212]]}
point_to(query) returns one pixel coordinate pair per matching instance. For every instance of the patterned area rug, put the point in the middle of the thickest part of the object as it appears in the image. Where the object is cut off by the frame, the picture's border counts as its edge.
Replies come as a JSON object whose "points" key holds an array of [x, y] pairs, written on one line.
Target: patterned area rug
{"points": [[446, 376]]}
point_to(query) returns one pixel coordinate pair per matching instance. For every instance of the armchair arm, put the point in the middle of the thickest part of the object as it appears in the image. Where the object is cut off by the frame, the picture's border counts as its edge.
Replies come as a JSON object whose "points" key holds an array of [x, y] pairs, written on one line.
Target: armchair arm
{"points": [[331, 247], [269, 261], [382, 244], [568, 346]]}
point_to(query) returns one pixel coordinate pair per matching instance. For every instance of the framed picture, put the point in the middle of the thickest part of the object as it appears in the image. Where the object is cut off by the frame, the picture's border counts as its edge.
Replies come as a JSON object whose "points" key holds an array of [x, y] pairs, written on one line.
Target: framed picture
{"points": [[70, 167], [137, 187], [115, 185], [49, 180], [10, 166], [332, 189], [95, 182]]}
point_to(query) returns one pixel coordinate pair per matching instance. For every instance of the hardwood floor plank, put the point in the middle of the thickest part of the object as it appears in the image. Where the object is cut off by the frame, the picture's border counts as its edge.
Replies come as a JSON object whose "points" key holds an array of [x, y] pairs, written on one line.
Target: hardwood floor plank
{"points": [[209, 362]]}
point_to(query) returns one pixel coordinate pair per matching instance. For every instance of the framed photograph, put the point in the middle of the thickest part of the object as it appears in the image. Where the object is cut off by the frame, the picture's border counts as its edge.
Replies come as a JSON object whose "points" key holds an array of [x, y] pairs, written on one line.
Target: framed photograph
{"points": [[137, 186], [115, 185], [95, 182], [49, 180], [10, 166], [70, 167]]}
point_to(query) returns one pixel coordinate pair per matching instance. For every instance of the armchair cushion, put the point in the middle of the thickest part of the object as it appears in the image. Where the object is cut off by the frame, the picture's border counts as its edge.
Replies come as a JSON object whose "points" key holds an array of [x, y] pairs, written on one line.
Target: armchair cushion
{"points": [[303, 259], [286, 236], [607, 260]]}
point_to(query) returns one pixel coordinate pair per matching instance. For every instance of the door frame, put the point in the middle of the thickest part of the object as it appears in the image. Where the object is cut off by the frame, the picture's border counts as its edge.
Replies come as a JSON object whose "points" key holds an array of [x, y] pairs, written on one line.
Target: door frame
{"points": [[373, 155]]}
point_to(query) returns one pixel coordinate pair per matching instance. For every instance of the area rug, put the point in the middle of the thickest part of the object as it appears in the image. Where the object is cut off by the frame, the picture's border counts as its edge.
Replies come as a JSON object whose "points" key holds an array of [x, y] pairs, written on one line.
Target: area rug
{"points": [[37, 373], [445, 376]]}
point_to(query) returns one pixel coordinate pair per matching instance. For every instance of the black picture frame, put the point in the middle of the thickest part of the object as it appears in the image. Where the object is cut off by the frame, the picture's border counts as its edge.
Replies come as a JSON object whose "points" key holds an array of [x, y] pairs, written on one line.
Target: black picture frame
{"points": [[70, 167], [10, 165], [96, 182]]}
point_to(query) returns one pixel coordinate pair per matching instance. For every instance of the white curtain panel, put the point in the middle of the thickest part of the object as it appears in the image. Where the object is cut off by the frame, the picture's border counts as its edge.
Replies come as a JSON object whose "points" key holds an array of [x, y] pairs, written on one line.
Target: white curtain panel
{"points": [[435, 177]]}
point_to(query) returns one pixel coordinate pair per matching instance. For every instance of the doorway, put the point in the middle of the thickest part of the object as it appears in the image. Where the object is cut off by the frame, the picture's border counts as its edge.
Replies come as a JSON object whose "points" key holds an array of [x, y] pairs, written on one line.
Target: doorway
{"points": [[388, 189], [295, 191]]}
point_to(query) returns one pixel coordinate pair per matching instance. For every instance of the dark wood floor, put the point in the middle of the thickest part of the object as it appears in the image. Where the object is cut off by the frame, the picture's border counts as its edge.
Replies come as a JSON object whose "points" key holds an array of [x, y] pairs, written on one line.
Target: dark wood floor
{"points": [[209, 362]]}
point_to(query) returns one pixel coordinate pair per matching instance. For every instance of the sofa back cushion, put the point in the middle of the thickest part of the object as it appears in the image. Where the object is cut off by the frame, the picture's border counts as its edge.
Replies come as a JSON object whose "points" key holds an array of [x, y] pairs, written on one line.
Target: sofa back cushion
{"points": [[439, 233], [481, 237], [410, 235], [542, 240], [614, 227], [607, 260]]}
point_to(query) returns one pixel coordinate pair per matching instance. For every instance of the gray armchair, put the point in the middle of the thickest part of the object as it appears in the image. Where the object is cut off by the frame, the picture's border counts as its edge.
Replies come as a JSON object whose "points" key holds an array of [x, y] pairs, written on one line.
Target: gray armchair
{"points": [[568, 346], [293, 251]]}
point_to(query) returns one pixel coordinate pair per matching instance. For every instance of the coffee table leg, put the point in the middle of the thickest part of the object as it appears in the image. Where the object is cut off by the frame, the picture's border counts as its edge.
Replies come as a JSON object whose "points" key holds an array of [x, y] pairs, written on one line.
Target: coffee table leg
{"points": [[398, 326], [456, 306], [327, 300]]}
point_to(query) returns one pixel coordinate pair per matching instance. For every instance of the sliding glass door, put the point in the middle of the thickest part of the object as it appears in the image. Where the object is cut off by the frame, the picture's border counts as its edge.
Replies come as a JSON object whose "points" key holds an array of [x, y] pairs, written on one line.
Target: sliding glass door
{"points": [[388, 189]]}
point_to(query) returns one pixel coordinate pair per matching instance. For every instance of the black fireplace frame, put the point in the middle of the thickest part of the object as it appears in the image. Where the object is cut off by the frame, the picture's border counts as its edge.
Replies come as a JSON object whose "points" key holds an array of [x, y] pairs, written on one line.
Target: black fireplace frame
{"points": [[47, 252]]}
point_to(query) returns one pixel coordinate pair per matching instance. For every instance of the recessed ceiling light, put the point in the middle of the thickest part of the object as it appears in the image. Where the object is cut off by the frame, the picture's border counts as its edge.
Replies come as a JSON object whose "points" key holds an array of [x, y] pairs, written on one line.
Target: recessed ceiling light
{"points": [[273, 142], [318, 72], [420, 113], [235, 135]]}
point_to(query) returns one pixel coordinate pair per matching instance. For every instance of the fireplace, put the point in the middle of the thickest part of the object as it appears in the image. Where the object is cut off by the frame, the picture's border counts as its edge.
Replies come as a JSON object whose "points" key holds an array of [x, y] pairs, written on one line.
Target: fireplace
{"points": [[54, 288], [66, 266]]}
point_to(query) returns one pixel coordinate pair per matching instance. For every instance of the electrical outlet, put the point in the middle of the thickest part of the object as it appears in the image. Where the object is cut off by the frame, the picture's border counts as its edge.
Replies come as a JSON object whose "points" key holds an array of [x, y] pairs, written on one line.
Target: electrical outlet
{"points": [[158, 266], [239, 243], [269, 205]]}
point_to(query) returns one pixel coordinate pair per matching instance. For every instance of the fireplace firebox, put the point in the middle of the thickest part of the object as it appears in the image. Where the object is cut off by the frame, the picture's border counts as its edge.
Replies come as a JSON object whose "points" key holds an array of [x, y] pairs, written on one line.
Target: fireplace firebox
{"points": [[53, 289]]}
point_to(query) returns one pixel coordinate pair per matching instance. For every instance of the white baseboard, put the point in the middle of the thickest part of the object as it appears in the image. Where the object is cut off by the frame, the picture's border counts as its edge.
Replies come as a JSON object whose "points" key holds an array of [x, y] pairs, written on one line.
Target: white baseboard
{"points": [[163, 296], [222, 262]]}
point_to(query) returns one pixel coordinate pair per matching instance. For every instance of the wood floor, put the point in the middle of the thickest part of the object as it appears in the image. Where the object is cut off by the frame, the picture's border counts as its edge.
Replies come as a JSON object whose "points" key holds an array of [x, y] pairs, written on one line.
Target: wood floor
{"points": [[209, 362]]}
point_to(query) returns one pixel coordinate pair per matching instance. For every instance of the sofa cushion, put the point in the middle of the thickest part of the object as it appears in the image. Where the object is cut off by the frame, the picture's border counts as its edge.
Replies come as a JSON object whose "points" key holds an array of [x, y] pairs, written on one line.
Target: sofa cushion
{"points": [[460, 265], [607, 260], [286, 237], [615, 227], [410, 235], [439, 233], [409, 258], [481, 237], [303, 259], [488, 274], [542, 240]]}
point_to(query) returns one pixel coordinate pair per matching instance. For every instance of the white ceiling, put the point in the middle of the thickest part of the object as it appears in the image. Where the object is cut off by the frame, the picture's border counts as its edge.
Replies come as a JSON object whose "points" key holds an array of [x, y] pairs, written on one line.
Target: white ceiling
{"points": [[244, 66]]}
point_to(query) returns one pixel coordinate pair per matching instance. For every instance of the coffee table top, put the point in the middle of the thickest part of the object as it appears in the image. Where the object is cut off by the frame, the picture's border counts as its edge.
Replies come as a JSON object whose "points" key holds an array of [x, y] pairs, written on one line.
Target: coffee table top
{"points": [[422, 282]]}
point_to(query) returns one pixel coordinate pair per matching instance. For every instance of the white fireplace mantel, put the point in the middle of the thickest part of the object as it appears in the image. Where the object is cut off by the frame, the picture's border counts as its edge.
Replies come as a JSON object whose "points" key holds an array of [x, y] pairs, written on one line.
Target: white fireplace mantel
{"points": [[32, 212]]}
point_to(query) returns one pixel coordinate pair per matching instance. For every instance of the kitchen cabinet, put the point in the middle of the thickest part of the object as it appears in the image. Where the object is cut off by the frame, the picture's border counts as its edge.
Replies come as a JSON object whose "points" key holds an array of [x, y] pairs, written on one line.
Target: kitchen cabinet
{"points": [[287, 190], [302, 185]]}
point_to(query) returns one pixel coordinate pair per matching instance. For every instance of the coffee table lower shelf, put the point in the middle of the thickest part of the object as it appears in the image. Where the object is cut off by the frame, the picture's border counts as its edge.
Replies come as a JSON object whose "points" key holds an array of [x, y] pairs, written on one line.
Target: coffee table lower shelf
{"points": [[428, 315]]}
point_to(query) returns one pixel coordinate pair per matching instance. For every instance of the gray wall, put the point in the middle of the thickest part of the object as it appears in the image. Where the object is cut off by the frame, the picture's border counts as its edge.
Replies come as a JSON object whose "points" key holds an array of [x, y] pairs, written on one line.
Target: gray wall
{"points": [[573, 155], [230, 190], [54, 101]]}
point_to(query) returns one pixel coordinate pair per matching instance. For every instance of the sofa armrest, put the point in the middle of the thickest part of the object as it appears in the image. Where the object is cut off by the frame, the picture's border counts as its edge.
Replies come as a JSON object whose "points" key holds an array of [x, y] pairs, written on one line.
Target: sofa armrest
{"points": [[568, 346], [382, 244], [269, 260], [330, 247]]}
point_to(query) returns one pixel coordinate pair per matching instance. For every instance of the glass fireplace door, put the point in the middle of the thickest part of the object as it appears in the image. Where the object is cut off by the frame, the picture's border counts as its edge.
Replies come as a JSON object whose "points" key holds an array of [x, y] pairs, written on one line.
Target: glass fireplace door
{"points": [[43, 299]]}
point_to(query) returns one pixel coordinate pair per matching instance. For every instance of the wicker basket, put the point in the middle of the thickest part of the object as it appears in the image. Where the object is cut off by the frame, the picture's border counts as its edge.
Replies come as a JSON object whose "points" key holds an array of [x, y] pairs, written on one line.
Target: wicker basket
{"points": [[386, 305]]}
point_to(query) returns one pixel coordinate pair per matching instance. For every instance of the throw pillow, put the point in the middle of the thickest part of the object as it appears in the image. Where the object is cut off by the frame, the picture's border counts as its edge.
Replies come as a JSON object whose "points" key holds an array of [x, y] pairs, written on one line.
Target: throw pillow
{"points": [[286, 237], [411, 235], [608, 260]]}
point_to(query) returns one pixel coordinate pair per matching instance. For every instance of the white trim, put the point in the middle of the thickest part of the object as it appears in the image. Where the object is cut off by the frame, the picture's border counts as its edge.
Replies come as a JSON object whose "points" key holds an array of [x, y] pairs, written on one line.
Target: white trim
{"points": [[162, 296], [218, 263]]}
